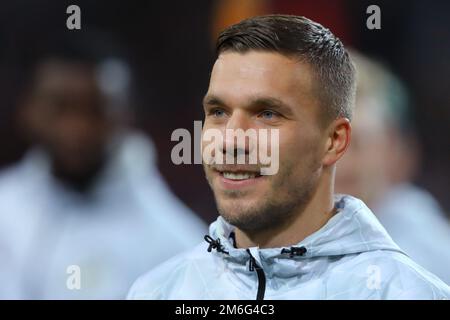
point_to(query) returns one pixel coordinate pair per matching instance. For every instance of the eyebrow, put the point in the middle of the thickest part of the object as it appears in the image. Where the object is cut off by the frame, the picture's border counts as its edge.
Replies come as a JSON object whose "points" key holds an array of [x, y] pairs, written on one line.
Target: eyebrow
{"points": [[212, 100], [259, 102]]}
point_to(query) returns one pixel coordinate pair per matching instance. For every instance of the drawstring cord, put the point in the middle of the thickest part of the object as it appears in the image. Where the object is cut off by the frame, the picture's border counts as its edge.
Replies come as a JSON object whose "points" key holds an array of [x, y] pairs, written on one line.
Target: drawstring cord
{"points": [[294, 251], [214, 244]]}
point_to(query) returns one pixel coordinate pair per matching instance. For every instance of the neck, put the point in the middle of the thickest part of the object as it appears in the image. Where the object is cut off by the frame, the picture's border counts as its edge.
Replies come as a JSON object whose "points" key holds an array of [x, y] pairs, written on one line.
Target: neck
{"points": [[306, 221]]}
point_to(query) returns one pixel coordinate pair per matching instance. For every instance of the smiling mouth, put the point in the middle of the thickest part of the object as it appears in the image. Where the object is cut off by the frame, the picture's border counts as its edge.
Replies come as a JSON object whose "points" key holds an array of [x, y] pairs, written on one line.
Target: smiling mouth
{"points": [[239, 175], [237, 178], [235, 173]]}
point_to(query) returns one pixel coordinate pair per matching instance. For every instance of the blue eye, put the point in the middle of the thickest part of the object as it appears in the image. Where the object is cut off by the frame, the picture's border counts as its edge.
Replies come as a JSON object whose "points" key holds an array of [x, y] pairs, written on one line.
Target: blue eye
{"points": [[218, 113], [268, 114]]}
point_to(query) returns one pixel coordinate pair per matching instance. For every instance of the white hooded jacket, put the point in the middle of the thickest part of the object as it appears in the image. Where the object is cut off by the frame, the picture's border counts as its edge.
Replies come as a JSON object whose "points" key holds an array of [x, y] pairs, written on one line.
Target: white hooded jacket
{"points": [[351, 257]]}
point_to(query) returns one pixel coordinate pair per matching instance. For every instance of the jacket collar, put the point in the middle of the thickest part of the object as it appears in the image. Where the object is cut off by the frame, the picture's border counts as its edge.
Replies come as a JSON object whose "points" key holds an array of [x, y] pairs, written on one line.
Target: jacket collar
{"points": [[353, 229]]}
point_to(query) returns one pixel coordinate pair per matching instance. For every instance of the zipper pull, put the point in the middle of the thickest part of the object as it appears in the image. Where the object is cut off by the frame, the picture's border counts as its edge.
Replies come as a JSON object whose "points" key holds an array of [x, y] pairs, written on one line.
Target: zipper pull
{"points": [[251, 264]]}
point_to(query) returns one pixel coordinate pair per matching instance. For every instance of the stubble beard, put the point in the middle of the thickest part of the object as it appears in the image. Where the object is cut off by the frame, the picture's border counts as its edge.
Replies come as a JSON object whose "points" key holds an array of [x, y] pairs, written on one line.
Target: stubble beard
{"points": [[286, 199]]}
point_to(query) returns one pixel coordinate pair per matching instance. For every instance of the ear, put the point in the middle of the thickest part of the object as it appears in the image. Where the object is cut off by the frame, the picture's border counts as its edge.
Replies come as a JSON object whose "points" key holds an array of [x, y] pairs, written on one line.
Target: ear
{"points": [[338, 140]]}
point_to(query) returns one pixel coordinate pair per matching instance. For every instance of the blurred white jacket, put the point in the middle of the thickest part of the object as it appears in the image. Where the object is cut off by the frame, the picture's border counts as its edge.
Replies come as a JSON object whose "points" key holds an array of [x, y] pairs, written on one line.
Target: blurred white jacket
{"points": [[351, 257], [417, 224], [53, 239]]}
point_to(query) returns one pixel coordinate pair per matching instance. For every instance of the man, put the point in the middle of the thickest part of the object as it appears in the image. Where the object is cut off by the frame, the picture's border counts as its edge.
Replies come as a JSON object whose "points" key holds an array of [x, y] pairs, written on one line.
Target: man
{"points": [[286, 236], [383, 139], [86, 211]]}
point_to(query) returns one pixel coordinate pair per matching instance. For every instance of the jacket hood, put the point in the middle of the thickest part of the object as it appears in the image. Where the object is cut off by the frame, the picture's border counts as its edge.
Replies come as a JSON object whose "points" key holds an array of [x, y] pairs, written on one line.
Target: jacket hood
{"points": [[353, 229]]}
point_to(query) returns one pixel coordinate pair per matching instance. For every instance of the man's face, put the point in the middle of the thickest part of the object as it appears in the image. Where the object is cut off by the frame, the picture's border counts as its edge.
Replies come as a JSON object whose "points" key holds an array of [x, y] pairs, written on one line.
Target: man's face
{"points": [[65, 114], [261, 90]]}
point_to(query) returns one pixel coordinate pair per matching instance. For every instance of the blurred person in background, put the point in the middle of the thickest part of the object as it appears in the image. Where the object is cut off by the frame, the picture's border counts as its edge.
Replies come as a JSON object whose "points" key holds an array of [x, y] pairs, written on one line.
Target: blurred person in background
{"points": [[86, 211], [384, 141]]}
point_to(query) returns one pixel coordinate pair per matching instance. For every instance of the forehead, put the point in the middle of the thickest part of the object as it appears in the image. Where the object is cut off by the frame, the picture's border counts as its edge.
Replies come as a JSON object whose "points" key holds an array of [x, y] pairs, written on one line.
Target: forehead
{"points": [[242, 75]]}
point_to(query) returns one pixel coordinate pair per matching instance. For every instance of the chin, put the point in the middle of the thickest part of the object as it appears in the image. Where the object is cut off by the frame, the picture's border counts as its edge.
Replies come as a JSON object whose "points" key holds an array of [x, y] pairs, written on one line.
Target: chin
{"points": [[235, 208]]}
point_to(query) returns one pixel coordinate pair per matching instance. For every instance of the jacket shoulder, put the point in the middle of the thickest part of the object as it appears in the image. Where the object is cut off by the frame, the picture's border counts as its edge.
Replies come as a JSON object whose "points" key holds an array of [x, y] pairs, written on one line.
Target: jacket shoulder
{"points": [[409, 280], [384, 274]]}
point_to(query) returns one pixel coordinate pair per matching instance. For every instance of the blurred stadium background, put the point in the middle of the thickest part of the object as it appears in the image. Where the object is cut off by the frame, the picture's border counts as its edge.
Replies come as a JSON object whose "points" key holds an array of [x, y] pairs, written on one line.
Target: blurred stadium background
{"points": [[169, 46]]}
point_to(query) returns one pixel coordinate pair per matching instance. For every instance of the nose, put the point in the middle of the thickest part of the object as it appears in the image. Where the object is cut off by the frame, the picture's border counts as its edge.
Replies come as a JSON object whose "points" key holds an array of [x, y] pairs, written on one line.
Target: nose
{"points": [[235, 136]]}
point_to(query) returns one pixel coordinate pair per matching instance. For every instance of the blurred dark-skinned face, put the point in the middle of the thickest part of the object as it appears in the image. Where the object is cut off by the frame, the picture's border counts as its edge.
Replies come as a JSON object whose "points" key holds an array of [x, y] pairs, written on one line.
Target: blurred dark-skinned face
{"points": [[64, 112], [263, 90]]}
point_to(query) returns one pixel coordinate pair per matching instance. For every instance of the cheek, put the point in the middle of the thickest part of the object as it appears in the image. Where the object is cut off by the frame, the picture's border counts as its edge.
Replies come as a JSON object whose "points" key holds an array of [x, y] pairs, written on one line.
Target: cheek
{"points": [[203, 142], [299, 147]]}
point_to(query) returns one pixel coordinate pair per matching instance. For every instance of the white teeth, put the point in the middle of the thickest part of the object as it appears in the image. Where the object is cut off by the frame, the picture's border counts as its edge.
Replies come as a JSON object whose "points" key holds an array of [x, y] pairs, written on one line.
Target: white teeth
{"points": [[239, 175]]}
